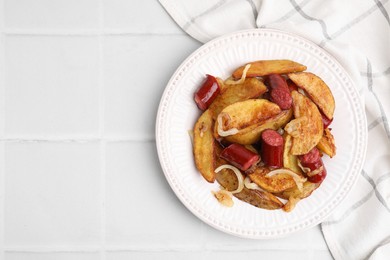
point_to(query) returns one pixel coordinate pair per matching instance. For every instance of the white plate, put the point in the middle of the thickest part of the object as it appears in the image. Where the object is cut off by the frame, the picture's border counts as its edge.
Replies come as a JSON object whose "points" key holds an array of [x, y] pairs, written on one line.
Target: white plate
{"points": [[178, 112]]}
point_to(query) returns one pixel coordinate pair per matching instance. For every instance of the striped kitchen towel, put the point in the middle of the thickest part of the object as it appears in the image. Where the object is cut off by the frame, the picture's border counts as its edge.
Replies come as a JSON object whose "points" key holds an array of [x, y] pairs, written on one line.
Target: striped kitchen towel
{"points": [[357, 33]]}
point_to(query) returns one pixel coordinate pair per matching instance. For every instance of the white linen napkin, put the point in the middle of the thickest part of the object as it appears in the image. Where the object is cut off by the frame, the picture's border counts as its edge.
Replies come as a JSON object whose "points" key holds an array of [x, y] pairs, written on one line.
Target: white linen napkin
{"points": [[357, 33]]}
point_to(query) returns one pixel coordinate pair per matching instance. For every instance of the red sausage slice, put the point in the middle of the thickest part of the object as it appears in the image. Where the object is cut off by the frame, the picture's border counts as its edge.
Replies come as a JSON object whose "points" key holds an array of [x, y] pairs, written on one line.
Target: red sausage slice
{"points": [[272, 144], [207, 92], [279, 92], [326, 121], [239, 156], [313, 161]]}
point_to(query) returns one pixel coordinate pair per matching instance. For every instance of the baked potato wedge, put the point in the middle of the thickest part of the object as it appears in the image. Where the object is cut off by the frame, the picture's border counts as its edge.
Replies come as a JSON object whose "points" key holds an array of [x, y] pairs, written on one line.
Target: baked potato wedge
{"points": [[252, 134], [307, 128], [317, 89], [327, 143], [290, 161], [245, 113], [274, 184], [307, 189], [250, 88], [257, 198], [204, 146], [266, 67]]}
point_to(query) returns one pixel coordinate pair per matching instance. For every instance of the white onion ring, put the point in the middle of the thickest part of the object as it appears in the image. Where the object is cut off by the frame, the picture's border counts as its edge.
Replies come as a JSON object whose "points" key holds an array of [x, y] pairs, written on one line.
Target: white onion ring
{"points": [[297, 179], [315, 172], [251, 185], [240, 178], [304, 169], [220, 130], [243, 76]]}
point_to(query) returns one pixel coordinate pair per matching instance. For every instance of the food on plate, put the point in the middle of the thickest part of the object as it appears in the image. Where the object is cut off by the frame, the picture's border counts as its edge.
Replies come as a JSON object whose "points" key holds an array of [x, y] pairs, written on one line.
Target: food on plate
{"points": [[207, 92], [252, 134], [272, 144], [232, 93], [290, 161], [327, 144], [317, 90], [239, 156], [307, 127], [204, 146], [275, 181], [266, 67], [263, 132], [256, 197], [279, 91], [245, 113], [313, 166]]}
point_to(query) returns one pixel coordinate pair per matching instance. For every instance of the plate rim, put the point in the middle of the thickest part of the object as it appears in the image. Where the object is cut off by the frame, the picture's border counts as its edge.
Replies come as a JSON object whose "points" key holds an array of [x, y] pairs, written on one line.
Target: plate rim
{"points": [[351, 180]]}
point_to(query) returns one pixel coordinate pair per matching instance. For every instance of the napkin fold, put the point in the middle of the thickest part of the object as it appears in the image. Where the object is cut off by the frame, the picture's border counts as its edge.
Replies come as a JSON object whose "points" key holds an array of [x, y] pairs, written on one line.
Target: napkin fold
{"points": [[358, 34]]}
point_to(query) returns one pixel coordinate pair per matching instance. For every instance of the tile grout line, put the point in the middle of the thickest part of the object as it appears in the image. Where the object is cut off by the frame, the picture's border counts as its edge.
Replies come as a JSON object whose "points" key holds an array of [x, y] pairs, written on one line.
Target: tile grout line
{"points": [[102, 145], [2, 129], [84, 32]]}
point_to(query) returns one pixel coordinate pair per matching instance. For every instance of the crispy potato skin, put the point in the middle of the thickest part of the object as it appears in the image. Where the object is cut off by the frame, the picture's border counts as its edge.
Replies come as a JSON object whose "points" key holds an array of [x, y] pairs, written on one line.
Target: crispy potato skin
{"points": [[266, 67], [274, 184], [317, 89], [257, 198], [327, 144], [290, 161], [251, 88], [308, 188], [204, 146], [307, 127], [249, 112], [252, 134]]}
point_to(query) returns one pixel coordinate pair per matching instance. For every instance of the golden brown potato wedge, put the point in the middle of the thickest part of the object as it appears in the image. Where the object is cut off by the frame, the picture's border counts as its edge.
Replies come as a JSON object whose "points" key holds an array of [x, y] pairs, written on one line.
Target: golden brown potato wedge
{"points": [[250, 88], [252, 134], [307, 189], [327, 143], [274, 184], [257, 198], [317, 89], [204, 146], [260, 199], [266, 67], [290, 161], [307, 127], [249, 112]]}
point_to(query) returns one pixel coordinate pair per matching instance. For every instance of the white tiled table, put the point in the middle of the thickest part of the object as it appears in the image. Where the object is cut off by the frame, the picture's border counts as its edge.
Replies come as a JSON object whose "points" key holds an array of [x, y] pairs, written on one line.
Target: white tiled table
{"points": [[79, 174]]}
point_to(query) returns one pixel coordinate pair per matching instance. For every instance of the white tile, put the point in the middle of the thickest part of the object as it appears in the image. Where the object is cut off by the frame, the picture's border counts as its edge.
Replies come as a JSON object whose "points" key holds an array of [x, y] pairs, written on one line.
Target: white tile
{"points": [[320, 255], [51, 14], [51, 85], [141, 209], [52, 194], [137, 69], [217, 240], [142, 17], [261, 254], [50, 256], [150, 255]]}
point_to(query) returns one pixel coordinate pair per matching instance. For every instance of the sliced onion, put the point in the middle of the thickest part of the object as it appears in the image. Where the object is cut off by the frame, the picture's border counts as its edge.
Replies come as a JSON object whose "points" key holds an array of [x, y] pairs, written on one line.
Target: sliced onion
{"points": [[240, 178], [220, 130], [242, 79], [251, 185], [302, 91], [315, 172], [298, 179], [304, 169]]}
